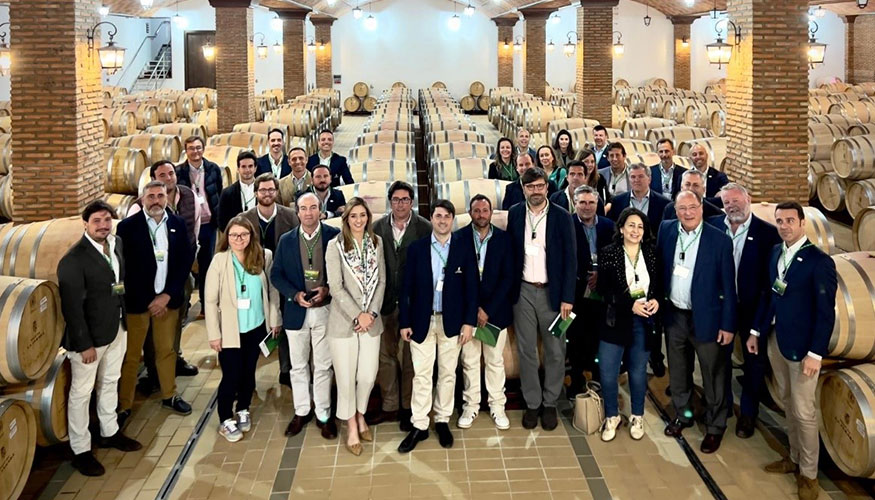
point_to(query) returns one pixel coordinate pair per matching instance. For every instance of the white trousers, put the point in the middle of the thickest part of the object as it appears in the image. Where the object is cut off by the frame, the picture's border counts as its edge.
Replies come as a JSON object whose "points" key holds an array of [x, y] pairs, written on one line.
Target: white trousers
{"points": [[356, 360], [311, 336], [447, 350], [104, 373], [493, 371]]}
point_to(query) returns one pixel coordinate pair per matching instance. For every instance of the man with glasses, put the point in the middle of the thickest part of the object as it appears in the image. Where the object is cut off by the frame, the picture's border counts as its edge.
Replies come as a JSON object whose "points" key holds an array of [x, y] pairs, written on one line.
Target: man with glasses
{"points": [[398, 230], [299, 182], [514, 192], [699, 277], [545, 273]]}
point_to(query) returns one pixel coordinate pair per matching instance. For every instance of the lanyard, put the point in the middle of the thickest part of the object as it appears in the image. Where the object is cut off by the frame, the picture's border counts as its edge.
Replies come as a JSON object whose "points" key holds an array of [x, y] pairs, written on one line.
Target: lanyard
{"points": [[478, 245], [535, 223], [310, 247], [437, 250], [737, 235], [634, 263], [153, 234], [617, 181], [666, 177], [789, 261], [240, 275], [690, 241]]}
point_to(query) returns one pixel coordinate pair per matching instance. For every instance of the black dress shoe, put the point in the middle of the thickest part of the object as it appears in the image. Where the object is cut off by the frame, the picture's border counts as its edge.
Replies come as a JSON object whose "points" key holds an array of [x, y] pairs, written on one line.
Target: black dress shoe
{"points": [[177, 404], [676, 428], [711, 443], [745, 427], [122, 417], [120, 442], [381, 416], [658, 369], [286, 379], [329, 428], [412, 439], [297, 424], [530, 418], [404, 423], [445, 437], [185, 369], [87, 465], [549, 418]]}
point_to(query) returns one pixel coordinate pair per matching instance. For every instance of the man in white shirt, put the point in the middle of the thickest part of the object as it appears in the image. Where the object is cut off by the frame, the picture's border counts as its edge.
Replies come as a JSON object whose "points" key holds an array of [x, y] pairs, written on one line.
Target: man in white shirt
{"points": [[275, 161], [240, 196], [301, 180]]}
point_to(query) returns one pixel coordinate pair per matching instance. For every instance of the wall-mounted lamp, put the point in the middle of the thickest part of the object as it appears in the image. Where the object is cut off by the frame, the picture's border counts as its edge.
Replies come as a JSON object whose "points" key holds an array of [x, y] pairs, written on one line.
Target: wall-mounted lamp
{"points": [[321, 44], [619, 48], [518, 43], [568, 48], [278, 48], [555, 18], [311, 45], [719, 52], [179, 21], [261, 49], [111, 57], [5, 54], [551, 46], [371, 22], [469, 10], [816, 50], [685, 42], [862, 3], [276, 23], [103, 10], [209, 51]]}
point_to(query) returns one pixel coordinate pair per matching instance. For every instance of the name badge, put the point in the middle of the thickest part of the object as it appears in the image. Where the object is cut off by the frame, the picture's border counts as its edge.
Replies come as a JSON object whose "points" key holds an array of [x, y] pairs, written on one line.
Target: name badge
{"points": [[118, 288], [160, 255], [532, 250], [779, 286], [681, 271], [636, 292], [243, 304], [311, 274], [440, 286]]}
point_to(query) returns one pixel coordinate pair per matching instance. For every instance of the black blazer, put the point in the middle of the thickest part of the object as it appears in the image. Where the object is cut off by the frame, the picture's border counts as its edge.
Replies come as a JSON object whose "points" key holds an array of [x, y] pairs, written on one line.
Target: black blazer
{"points": [[708, 210], [584, 259], [612, 285], [561, 253], [338, 167], [495, 283], [714, 180], [91, 311], [460, 292], [513, 193], [212, 185], [396, 257], [262, 166], [230, 205], [561, 199], [656, 179], [752, 281], [140, 265], [655, 208], [603, 161]]}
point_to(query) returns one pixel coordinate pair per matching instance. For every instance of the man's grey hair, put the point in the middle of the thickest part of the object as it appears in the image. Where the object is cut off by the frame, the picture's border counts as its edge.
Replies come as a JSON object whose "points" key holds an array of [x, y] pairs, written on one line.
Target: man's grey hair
{"points": [[152, 184], [640, 166], [584, 189], [306, 194], [693, 171], [734, 186]]}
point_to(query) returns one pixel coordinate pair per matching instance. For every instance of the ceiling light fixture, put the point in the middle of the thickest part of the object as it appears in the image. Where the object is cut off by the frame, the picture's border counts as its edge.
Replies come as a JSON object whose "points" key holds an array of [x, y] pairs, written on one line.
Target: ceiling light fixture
{"points": [[371, 22], [469, 10], [179, 21], [357, 12], [455, 22], [103, 10], [555, 18], [276, 23], [647, 17], [146, 4]]}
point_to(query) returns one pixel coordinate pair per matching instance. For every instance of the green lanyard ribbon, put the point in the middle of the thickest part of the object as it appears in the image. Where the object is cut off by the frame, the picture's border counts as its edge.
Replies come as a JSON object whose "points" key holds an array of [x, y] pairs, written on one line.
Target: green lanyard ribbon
{"points": [[311, 248], [789, 261], [535, 223], [690, 241]]}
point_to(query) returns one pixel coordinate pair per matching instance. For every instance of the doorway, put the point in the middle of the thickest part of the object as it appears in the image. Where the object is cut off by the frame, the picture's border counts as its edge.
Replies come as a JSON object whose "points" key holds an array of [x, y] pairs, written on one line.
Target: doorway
{"points": [[199, 72]]}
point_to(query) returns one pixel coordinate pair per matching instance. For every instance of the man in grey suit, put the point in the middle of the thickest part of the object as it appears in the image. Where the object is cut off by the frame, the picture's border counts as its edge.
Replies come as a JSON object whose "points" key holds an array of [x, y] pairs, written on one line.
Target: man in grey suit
{"points": [[398, 229]]}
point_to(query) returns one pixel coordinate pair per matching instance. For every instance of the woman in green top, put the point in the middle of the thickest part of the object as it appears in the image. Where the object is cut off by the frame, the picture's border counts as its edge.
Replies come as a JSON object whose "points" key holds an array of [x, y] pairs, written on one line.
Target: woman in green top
{"points": [[240, 305], [504, 166], [555, 172]]}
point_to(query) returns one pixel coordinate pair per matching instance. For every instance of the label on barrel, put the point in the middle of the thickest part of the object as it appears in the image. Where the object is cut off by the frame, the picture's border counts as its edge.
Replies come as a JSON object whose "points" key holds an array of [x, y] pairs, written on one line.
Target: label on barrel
{"points": [[43, 304], [13, 428]]}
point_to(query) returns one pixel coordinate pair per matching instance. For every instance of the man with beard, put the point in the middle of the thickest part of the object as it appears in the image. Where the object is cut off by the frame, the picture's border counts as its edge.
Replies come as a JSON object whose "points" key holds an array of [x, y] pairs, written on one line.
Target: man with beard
{"points": [[333, 201], [514, 192], [714, 179], [275, 161], [157, 258], [665, 176], [752, 243], [240, 196], [300, 181], [326, 156]]}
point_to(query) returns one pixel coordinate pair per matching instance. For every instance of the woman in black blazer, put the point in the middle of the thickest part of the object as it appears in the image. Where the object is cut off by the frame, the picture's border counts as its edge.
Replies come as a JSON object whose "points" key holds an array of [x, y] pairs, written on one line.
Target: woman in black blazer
{"points": [[629, 279]]}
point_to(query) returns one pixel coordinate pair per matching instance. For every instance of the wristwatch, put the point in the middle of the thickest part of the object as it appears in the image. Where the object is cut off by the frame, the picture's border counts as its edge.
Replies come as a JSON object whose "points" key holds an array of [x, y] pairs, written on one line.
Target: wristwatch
{"points": [[374, 315]]}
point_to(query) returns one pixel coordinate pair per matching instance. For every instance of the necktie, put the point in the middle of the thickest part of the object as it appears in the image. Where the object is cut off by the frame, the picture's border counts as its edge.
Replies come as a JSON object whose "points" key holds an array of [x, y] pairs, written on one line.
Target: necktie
{"points": [[106, 250]]}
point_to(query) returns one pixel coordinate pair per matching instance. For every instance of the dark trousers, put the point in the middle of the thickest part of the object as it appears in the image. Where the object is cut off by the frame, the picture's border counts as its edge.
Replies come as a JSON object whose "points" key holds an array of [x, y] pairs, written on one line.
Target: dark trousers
{"points": [[207, 240], [681, 344], [238, 373], [583, 342], [754, 379]]}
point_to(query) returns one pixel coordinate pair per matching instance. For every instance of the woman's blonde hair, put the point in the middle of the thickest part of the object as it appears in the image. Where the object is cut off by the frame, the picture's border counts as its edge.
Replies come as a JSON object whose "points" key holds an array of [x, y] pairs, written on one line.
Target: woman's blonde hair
{"points": [[346, 232], [253, 262]]}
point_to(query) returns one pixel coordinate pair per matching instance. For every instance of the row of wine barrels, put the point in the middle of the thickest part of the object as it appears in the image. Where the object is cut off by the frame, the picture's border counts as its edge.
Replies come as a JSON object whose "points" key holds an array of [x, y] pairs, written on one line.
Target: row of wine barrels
{"points": [[122, 203], [854, 157], [451, 150], [146, 114], [181, 130], [155, 146], [634, 146], [168, 110], [382, 152], [375, 194], [257, 143], [834, 119], [445, 136], [821, 137], [699, 114], [459, 169], [636, 128], [861, 129], [718, 123], [31, 309], [461, 192], [123, 169], [536, 119], [582, 136], [384, 125], [817, 227], [209, 118], [816, 169], [6, 197], [821, 105], [677, 134], [265, 128], [860, 195], [449, 124], [863, 111], [831, 191], [384, 170], [18, 442], [676, 108], [555, 126], [119, 122], [47, 397], [403, 137], [301, 121]]}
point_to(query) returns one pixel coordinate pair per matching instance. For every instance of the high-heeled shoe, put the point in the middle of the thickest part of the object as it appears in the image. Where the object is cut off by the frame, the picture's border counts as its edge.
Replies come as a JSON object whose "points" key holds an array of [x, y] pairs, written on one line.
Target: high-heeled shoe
{"points": [[366, 435], [356, 449]]}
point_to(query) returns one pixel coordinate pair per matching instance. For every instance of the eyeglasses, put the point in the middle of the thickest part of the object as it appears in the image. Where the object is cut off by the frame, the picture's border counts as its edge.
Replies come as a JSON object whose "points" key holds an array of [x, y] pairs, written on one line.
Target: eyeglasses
{"points": [[266, 191], [689, 208], [401, 201], [238, 236], [536, 187], [194, 148]]}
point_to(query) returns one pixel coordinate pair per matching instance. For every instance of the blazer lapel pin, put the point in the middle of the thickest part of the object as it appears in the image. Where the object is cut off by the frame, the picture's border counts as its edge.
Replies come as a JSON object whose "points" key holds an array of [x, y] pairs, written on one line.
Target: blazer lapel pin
{"points": [[458, 270], [750, 238], [172, 230], [799, 259]]}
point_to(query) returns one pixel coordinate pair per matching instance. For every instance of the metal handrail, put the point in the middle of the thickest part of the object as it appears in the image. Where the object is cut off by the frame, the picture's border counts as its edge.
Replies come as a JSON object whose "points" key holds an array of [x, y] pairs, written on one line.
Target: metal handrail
{"points": [[147, 37], [159, 71]]}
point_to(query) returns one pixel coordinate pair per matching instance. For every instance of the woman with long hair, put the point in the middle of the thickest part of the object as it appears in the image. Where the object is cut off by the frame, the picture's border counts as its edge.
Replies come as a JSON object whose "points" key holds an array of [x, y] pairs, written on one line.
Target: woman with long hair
{"points": [[504, 166], [564, 148], [593, 178], [356, 273], [555, 172], [240, 306]]}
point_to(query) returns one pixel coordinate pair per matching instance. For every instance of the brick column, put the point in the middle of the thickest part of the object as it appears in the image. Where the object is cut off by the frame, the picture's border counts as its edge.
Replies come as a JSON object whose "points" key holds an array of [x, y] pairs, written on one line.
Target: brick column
{"points": [[682, 54], [294, 52], [324, 74], [535, 51], [767, 99], [505, 54], [849, 47], [595, 62], [863, 50], [56, 93], [235, 63]]}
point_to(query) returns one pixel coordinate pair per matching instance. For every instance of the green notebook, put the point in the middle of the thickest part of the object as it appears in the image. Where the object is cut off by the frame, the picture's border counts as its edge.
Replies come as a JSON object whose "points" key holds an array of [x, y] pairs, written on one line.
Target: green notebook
{"points": [[559, 325], [268, 345], [487, 334]]}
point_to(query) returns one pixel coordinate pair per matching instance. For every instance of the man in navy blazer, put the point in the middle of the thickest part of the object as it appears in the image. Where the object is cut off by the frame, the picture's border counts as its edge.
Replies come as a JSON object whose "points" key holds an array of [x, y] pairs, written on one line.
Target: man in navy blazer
{"points": [[240, 196], [752, 243], [576, 177], [545, 276], [340, 173], [438, 311], [600, 140], [333, 201], [157, 257], [640, 196], [714, 179], [699, 277], [694, 181], [665, 176], [275, 161], [513, 192], [797, 320], [489, 245]]}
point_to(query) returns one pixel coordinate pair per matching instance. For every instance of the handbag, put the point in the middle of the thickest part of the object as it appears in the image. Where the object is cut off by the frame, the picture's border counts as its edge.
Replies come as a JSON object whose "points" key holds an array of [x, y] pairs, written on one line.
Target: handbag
{"points": [[589, 409]]}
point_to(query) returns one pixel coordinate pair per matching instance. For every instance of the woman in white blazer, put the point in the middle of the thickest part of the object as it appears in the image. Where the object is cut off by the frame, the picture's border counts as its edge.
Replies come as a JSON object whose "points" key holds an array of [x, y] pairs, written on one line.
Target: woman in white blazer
{"points": [[356, 273], [240, 307]]}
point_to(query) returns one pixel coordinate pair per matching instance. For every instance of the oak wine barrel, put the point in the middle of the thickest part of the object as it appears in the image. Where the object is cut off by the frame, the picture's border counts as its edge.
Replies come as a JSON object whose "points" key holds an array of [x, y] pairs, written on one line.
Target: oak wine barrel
{"points": [[619, 114], [862, 111], [385, 136], [718, 123], [699, 114], [815, 170], [861, 129], [846, 400], [676, 108], [831, 191], [444, 136], [460, 169], [31, 309], [257, 143], [461, 192], [536, 119], [167, 109], [5, 153], [483, 102], [476, 89], [834, 119], [181, 130], [555, 126], [123, 202], [450, 124], [633, 146], [860, 195], [47, 397], [360, 89], [301, 120], [399, 85], [853, 335], [439, 85], [453, 150], [714, 146], [854, 157], [265, 128], [146, 114], [677, 134], [375, 194], [123, 169], [384, 170], [119, 122], [154, 146], [863, 233], [6, 197], [352, 104], [369, 103], [821, 137], [382, 125], [817, 227], [209, 118], [382, 152], [468, 103], [18, 442], [636, 128]]}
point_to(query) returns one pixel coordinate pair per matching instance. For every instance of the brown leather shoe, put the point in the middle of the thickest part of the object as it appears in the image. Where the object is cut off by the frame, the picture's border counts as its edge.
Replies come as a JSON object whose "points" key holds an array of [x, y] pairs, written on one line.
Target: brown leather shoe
{"points": [[381, 416], [297, 424], [711, 443], [329, 428], [783, 466], [809, 489]]}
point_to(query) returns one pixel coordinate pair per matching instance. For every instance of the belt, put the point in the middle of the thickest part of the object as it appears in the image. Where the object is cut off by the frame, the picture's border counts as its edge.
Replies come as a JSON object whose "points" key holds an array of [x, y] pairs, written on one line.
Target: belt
{"points": [[678, 309], [436, 313], [536, 285]]}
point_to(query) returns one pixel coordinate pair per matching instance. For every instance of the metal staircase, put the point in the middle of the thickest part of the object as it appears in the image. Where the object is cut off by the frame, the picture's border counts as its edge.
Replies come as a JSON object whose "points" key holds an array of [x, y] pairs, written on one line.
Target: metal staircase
{"points": [[155, 72]]}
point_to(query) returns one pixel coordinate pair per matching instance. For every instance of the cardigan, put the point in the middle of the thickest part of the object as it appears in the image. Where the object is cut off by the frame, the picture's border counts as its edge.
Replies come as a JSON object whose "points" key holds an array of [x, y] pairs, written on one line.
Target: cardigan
{"points": [[345, 292]]}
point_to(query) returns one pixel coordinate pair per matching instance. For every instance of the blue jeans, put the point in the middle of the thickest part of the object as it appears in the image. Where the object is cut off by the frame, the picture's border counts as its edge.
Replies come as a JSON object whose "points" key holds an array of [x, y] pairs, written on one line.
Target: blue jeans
{"points": [[610, 356]]}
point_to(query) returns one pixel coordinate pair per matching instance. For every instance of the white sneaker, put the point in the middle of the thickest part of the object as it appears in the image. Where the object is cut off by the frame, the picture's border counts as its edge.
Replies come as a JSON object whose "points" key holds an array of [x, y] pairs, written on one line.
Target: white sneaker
{"points": [[500, 419], [244, 421], [467, 419], [636, 427], [229, 430], [609, 431]]}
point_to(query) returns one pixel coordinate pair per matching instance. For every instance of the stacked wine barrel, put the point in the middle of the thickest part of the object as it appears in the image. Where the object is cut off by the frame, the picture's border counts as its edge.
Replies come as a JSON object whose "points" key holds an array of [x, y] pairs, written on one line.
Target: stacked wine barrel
{"points": [[520, 110], [657, 100], [360, 101], [476, 100]]}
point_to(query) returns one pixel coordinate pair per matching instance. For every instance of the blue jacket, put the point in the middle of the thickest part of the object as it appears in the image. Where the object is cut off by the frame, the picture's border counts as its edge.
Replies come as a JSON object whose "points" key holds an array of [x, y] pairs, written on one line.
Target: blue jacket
{"points": [[656, 180], [460, 292], [140, 265], [752, 283], [287, 273], [338, 167], [655, 208], [604, 230], [603, 161], [713, 289], [212, 185], [513, 193], [262, 166], [805, 315], [561, 253], [497, 276], [714, 180], [561, 199]]}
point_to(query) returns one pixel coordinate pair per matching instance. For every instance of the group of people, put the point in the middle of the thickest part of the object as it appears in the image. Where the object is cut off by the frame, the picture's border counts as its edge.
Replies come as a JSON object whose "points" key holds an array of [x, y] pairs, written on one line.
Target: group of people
{"points": [[626, 253]]}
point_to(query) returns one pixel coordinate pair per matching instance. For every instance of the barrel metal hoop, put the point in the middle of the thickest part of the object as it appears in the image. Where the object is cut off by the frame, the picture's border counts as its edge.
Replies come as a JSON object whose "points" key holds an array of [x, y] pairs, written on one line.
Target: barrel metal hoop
{"points": [[15, 325], [866, 411], [11, 340], [45, 402], [498, 194], [852, 318], [14, 256]]}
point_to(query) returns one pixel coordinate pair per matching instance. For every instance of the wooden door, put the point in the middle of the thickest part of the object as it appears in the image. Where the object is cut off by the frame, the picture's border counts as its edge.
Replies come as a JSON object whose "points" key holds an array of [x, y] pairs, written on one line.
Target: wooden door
{"points": [[198, 71]]}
